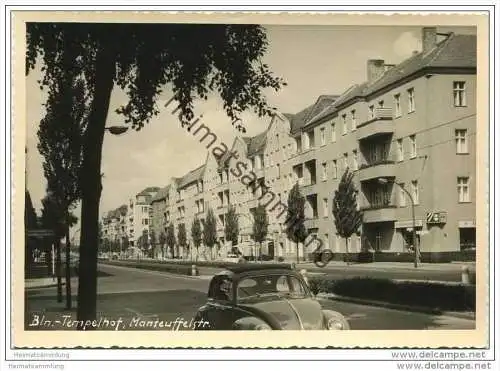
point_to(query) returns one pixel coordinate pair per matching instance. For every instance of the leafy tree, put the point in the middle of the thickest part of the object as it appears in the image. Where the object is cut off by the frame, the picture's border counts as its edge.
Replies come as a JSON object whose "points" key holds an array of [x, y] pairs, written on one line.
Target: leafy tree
{"points": [[125, 243], [60, 144], [152, 241], [171, 238], [260, 226], [224, 59], [30, 222], [294, 224], [346, 215], [196, 234], [210, 230], [144, 245], [162, 240], [232, 229], [181, 235]]}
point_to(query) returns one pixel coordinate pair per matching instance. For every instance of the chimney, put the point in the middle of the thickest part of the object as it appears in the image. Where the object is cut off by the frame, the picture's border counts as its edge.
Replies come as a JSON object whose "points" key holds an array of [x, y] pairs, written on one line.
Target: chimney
{"points": [[429, 38], [374, 69]]}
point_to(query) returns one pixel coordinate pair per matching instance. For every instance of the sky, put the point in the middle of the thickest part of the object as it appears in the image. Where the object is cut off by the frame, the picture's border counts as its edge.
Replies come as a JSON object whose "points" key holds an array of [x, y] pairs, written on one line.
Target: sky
{"points": [[313, 60]]}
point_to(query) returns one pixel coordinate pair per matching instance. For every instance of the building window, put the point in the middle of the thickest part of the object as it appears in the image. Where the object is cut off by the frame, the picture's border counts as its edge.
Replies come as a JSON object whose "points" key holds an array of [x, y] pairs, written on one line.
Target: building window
{"points": [[298, 144], [334, 134], [402, 195], [353, 120], [355, 159], [325, 207], [344, 124], [397, 105], [346, 164], [461, 140], [145, 222], [278, 167], [371, 112], [400, 150], [380, 104], [413, 146], [463, 189], [322, 136], [335, 169], [326, 242], [459, 93], [414, 192], [411, 100], [323, 171]]}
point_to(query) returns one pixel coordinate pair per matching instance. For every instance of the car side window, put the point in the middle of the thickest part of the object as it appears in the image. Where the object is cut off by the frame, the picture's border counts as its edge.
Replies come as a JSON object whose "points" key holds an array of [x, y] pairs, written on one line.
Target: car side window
{"points": [[247, 287], [282, 284]]}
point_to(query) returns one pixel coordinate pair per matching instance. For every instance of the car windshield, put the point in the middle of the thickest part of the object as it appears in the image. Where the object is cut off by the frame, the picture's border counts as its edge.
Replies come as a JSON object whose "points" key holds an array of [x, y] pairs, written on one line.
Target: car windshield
{"points": [[281, 285]]}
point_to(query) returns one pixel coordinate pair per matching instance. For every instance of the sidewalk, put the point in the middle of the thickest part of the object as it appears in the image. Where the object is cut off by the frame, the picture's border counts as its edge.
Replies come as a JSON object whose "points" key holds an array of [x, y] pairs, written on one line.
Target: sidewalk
{"points": [[32, 283]]}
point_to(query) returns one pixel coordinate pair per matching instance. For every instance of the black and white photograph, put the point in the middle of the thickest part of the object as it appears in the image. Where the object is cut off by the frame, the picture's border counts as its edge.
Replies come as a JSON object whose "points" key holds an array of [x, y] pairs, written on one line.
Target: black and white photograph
{"points": [[253, 176]]}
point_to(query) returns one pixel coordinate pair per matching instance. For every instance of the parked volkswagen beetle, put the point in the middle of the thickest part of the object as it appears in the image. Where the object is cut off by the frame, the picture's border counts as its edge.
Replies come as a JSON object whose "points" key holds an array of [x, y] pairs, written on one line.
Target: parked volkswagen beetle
{"points": [[264, 297]]}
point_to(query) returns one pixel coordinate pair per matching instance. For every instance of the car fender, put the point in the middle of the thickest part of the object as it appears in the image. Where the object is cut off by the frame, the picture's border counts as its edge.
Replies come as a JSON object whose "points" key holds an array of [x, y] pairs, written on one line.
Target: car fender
{"points": [[331, 314], [249, 323]]}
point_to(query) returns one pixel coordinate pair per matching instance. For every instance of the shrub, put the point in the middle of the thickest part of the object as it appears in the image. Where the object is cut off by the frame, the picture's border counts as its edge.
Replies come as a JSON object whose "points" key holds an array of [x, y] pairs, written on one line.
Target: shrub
{"points": [[433, 295]]}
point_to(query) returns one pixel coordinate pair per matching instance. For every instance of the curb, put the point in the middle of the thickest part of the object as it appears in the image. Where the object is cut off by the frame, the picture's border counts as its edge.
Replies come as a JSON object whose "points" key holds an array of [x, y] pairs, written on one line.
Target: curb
{"points": [[164, 273], [28, 288], [407, 308]]}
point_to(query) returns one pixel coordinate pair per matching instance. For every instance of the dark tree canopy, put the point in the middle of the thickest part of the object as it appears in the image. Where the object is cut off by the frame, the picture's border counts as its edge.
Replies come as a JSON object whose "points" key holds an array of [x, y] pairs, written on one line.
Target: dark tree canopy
{"points": [[295, 228], [232, 229], [210, 229], [196, 234], [181, 235], [170, 238], [54, 216], [190, 59], [260, 224], [346, 215], [30, 218]]}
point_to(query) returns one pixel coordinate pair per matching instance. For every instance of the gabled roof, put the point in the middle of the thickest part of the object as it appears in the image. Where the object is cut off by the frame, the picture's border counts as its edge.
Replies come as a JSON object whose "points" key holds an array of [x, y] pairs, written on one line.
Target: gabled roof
{"points": [[148, 190], [299, 120], [456, 51], [256, 144], [191, 177], [161, 194]]}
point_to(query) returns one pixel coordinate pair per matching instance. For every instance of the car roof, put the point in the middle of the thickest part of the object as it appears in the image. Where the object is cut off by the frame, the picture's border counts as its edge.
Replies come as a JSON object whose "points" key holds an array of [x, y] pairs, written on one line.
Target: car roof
{"points": [[244, 268]]}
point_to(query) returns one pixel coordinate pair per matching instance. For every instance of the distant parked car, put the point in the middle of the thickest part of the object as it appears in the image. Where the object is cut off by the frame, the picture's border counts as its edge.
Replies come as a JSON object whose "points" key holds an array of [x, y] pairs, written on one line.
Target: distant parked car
{"points": [[231, 258], [264, 297]]}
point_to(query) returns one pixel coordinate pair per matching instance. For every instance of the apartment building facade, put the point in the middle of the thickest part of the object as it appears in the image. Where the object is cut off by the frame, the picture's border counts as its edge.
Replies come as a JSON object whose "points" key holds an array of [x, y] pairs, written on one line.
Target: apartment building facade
{"points": [[139, 215], [407, 133]]}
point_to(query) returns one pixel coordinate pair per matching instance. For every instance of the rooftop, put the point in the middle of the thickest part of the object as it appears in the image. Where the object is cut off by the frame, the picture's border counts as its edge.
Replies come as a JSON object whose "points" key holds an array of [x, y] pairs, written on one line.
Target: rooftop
{"points": [[191, 177], [161, 194], [455, 52]]}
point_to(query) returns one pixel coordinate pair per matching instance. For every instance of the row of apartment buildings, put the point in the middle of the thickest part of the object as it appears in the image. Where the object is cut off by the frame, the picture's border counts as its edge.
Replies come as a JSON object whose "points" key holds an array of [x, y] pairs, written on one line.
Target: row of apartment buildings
{"points": [[407, 132]]}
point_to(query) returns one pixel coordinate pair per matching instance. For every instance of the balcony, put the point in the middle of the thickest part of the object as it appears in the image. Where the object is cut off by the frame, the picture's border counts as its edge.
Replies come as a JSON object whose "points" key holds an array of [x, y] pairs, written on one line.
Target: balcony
{"points": [[307, 188], [379, 213], [311, 223], [304, 156], [380, 169], [381, 123]]}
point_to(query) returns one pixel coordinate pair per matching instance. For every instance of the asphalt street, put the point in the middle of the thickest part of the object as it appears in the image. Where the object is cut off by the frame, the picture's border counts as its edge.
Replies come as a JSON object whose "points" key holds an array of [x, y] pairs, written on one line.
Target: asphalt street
{"points": [[134, 295]]}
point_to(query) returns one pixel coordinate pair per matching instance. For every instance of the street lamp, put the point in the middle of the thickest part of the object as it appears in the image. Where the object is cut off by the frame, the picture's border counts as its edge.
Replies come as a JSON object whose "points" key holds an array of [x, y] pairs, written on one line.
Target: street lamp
{"points": [[414, 230], [116, 130]]}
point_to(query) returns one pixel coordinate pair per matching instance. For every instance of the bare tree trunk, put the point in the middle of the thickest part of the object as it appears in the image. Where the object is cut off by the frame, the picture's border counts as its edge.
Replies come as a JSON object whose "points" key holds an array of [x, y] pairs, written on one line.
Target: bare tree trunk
{"points": [[298, 255], [347, 252], [68, 270], [59, 270], [91, 185]]}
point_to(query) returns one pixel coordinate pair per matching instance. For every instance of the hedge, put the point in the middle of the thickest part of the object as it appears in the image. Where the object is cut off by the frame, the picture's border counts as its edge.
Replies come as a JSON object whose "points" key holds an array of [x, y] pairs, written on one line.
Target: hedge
{"points": [[153, 266], [433, 295]]}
